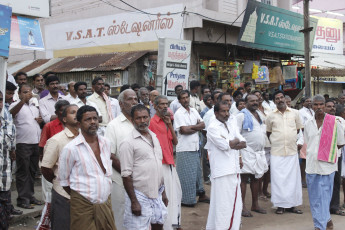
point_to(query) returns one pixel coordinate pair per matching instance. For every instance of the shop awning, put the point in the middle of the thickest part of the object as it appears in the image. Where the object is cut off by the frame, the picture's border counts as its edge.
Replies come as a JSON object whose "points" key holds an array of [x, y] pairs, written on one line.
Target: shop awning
{"points": [[330, 75], [328, 60], [99, 62]]}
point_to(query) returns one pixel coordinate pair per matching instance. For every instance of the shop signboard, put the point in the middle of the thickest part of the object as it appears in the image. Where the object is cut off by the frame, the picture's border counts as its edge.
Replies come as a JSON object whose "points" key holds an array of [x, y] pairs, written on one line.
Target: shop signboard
{"points": [[271, 28], [328, 36], [5, 30], [173, 64], [26, 34], [35, 8], [123, 28], [329, 79]]}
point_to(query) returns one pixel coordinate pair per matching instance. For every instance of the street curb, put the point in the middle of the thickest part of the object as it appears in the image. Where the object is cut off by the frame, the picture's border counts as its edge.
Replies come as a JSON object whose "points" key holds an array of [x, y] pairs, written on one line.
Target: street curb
{"points": [[17, 219]]}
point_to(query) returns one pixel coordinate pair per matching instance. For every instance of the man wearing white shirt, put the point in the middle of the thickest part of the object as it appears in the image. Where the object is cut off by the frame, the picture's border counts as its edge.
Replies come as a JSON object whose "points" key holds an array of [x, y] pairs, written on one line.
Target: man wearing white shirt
{"points": [[118, 130], [175, 104], [236, 96], [247, 88], [194, 97], [320, 173], [115, 107], [223, 143], [187, 124], [81, 90], [47, 104], [251, 127], [268, 104], [305, 113], [27, 120]]}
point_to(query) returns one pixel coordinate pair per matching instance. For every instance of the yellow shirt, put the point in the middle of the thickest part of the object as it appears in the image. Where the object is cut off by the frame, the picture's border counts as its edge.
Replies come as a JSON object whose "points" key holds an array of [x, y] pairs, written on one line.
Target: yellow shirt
{"points": [[283, 128], [102, 106]]}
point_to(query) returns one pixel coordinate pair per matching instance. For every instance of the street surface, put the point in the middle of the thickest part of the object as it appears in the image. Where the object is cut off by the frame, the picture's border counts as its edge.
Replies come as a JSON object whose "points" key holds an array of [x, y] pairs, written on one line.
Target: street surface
{"points": [[195, 218]]}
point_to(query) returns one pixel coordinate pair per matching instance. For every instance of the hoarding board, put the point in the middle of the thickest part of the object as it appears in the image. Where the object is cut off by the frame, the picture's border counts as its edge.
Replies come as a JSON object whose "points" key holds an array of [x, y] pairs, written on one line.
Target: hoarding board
{"points": [[173, 64], [35, 8], [5, 30], [328, 36], [271, 28]]}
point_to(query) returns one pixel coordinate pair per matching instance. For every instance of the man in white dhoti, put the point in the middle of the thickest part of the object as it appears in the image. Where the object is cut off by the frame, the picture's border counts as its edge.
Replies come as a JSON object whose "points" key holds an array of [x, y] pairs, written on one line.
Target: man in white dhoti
{"points": [[251, 127], [223, 143], [323, 135], [142, 174], [282, 126]]}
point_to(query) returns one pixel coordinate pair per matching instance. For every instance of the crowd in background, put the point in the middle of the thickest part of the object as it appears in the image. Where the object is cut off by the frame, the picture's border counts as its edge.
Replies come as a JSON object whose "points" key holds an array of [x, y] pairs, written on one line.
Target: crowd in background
{"points": [[132, 162]]}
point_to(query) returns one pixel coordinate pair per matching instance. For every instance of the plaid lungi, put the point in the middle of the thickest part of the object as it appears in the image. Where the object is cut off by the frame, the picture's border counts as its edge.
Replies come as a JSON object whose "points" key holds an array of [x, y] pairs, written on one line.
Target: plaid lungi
{"points": [[189, 171]]}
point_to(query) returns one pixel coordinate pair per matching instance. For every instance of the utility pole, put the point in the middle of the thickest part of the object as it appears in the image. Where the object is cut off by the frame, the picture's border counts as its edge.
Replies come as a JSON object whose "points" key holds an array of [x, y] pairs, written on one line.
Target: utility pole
{"points": [[306, 32]]}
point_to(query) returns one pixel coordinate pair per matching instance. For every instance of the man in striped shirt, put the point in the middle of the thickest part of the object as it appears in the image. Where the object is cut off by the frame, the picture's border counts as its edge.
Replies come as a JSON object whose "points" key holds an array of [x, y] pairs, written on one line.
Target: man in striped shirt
{"points": [[85, 173]]}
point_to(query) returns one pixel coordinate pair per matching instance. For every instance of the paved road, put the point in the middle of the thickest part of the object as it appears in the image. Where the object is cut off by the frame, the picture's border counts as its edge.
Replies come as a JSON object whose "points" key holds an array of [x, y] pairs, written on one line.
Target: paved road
{"points": [[195, 218]]}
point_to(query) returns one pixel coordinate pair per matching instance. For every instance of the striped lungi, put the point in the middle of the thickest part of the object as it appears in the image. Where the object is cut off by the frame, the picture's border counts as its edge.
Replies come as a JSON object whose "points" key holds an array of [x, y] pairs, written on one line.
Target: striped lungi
{"points": [[189, 171]]}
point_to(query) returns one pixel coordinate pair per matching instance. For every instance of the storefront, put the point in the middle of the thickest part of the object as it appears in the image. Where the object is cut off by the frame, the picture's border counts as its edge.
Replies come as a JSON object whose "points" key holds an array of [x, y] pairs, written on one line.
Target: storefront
{"points": [[328, 81]]}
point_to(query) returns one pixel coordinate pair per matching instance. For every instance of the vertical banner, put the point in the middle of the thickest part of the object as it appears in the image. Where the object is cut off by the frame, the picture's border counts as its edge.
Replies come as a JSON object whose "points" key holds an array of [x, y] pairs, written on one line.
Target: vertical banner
{"points": [[173, 64], [5, 30]]}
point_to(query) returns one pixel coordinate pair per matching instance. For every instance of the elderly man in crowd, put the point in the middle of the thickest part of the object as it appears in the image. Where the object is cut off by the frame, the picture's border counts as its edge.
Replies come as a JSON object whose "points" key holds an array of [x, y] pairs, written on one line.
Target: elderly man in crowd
{"points": [[187, 124], [72, 93], [27, 121], [223, 143], [162, 126], [323, 135], [251, 127], [47, 104], [153, 95], [116, 131], [89, 187], [60, 205], [283, 125], [144, 97], [142, 174]]}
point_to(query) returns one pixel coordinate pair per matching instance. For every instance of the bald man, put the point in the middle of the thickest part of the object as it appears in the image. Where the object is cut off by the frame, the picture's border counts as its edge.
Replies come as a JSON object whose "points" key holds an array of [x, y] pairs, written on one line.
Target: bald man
{"points": [[153, 95]]}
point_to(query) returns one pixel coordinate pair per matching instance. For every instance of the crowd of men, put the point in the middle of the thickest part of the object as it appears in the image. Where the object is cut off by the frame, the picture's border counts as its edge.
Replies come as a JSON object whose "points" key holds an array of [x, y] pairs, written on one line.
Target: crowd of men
{"points": [[111, 163]]}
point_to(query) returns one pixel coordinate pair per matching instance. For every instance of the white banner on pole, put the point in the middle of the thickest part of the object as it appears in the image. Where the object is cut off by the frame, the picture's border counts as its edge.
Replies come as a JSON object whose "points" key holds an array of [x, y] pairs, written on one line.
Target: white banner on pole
{"points": [[173, 64]]}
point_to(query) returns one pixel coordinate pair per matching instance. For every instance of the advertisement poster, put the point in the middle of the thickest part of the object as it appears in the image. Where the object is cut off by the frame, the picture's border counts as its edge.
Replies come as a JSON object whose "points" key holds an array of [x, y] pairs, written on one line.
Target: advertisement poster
{"points": [[271, 28], [173, 64], [328, 36], [5, 30], [26, 34]]}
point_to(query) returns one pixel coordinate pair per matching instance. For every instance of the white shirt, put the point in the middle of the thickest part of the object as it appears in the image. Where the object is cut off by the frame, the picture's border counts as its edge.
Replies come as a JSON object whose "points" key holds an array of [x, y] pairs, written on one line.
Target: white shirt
{"points": [[223, 159], [312, 138], [70, 98], [255, 138], [306, 114], [233, 109], [207, 117], [115, 107], [47, 106], [269, 105], [117, 131], [28, 130], [80, 170], [175, 105], [79, 103], [184, 118], [194, 102], [102, 106]]}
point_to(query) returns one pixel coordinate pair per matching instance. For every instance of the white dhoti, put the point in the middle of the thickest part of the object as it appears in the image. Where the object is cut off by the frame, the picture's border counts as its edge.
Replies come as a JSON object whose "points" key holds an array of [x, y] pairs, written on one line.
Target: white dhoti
{"points": [[286, 183], [174, 193], [226, 203], [118, 204], [254, 162]]}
